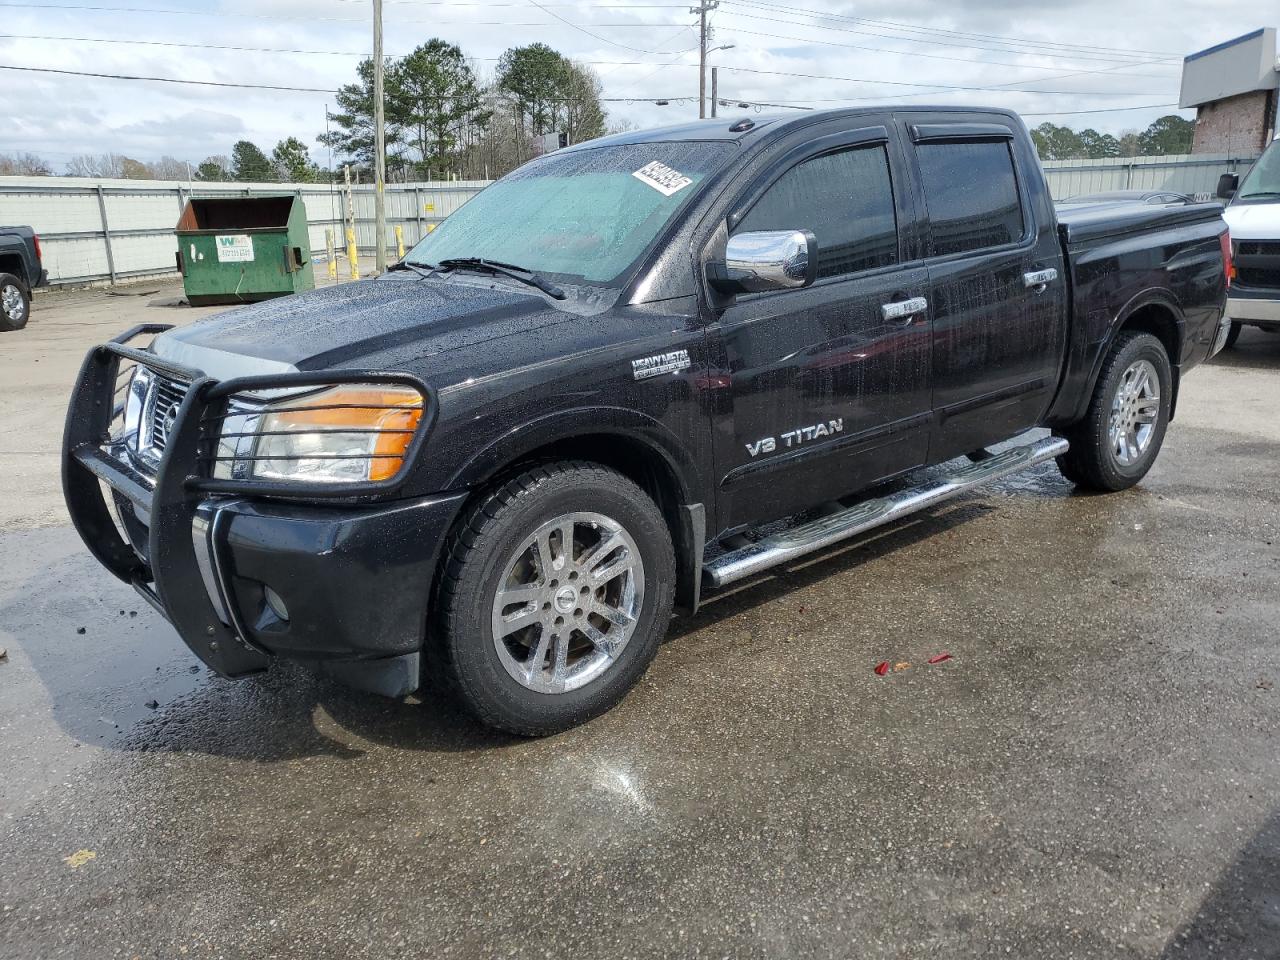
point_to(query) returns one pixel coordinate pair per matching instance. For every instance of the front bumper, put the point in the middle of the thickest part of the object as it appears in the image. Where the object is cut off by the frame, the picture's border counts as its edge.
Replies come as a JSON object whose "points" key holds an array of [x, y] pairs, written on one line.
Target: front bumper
{"points": [[1254, 306], [352, 580]]}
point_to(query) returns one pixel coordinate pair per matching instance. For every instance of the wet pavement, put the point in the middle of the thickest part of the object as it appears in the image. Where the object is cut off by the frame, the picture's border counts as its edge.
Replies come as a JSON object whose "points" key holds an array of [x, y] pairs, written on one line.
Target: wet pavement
{"points": [[1093, 775]]}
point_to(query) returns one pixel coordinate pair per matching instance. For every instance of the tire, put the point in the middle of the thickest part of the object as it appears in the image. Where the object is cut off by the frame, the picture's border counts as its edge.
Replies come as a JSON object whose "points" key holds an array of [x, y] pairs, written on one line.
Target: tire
{"points": [[15, 303], [1232, 335], [487, 649], [1094, 461]]}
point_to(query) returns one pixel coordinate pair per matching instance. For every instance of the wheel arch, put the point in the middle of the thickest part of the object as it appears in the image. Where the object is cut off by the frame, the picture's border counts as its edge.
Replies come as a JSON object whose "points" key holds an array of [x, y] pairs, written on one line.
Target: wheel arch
{"points": [[1159, 315], [1153, 311], [636, 446], [13, 263]]}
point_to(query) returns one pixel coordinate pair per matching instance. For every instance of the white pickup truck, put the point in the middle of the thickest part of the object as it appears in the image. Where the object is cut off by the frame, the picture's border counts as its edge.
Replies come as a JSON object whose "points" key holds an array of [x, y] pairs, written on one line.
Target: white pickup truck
{"points": [[1253, 216]]}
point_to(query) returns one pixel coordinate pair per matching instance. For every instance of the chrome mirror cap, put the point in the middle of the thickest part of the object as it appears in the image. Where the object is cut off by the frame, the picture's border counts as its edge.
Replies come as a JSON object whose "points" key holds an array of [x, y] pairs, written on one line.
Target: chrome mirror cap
{"points": [[761, 260]]}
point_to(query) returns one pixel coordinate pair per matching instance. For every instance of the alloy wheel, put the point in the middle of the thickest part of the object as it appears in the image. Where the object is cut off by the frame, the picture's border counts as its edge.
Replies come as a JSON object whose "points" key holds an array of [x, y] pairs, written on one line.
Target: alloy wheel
{"points": [[568, 602]]}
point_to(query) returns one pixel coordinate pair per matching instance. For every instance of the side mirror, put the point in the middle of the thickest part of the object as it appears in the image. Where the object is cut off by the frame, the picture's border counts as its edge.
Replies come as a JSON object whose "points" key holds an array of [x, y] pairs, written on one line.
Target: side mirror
{"points": [[1228, 184], [762, 260]]}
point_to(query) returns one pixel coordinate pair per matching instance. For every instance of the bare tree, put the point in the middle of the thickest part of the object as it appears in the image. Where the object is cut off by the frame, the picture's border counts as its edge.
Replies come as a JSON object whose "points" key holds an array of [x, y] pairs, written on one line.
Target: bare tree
{"points": [[23, 164], [170, 168], [96, 165]]}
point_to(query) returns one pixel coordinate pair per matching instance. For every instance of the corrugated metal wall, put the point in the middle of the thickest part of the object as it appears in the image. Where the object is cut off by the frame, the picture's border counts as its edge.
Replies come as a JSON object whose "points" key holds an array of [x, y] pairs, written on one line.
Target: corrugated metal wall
{"points": [[1195, 174], [95, 230]]}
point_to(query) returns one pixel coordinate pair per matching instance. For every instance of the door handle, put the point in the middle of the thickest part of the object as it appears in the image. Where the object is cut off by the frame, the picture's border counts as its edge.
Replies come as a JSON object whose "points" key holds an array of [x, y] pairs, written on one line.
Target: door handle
{"points": [[1039, 279], [904, 309]]}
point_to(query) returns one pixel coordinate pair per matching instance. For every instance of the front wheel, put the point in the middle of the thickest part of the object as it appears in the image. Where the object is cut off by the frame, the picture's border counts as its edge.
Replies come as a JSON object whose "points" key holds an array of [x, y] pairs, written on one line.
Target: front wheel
{"points": [[556, 590], [15, 303], [1116, 443]]}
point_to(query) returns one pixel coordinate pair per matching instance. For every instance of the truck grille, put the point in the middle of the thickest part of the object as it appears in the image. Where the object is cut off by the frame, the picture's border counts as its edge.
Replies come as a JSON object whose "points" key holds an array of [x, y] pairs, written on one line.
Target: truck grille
{"points": [[167, 396], [1258, 248], [1258, 263]]}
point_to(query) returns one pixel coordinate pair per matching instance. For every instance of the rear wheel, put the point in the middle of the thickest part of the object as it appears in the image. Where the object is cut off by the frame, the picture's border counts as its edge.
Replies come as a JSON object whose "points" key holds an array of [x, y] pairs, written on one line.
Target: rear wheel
{"points": [[15, 303], [1118, 440], [556, 591], [1232, 335]]}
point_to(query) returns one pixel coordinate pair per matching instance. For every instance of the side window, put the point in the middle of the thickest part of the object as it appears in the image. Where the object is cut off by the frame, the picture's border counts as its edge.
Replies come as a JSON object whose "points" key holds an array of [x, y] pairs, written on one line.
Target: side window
{"points": [[845, 199], [972, 195]]}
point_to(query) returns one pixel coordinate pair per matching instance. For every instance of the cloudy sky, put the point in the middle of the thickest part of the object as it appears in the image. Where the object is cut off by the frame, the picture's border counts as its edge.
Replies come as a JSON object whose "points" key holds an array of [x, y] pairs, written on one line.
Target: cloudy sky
{"points": [[1063, 62]]}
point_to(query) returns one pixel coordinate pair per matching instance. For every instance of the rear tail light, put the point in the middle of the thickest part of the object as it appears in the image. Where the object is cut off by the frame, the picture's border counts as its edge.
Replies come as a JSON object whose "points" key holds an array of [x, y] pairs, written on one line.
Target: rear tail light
{"points": [[1228, 266], [39, 253]]}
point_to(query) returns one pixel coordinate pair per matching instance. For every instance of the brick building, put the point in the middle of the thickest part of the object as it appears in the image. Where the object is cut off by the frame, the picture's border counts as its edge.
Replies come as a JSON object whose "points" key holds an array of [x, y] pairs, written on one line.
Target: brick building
{"points": [[1235, 88]]}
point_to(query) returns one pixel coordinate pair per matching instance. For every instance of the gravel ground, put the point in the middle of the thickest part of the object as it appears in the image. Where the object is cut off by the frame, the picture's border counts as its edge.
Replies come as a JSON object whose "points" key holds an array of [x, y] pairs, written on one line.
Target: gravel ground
{"points": [[1094, 774]]}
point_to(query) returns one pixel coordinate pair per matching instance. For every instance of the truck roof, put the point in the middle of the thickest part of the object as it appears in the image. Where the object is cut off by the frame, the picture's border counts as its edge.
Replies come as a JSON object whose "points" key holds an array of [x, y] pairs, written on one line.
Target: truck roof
{"points": [[754, 126]]}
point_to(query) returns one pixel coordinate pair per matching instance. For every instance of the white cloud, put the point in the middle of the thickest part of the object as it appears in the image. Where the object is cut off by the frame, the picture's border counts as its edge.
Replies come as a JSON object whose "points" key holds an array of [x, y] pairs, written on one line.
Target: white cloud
{"points": [[62, 116]]}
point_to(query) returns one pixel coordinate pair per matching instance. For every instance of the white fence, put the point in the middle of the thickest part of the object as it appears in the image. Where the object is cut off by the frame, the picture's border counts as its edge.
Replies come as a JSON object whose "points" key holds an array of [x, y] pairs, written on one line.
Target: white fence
{"points": [[111, 230], [94, 230]]}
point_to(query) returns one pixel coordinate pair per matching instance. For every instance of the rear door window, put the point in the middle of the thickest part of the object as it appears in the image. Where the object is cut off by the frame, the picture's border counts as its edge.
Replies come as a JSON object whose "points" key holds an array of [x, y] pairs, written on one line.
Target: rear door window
{"points": [[972, 195], [845, 199]]}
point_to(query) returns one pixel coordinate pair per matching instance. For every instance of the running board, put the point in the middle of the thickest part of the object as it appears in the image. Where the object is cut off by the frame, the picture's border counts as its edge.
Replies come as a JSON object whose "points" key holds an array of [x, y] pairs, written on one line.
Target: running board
{"points": [[817, 534]]}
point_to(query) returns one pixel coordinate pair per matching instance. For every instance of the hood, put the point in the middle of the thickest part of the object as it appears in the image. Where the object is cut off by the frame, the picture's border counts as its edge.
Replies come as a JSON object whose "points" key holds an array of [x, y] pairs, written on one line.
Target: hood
{"points": [[398, 317], [1253, 221]]}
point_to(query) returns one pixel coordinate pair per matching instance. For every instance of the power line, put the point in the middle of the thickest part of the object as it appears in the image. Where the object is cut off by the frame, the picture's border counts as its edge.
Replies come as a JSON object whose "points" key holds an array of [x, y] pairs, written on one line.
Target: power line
{"points": [[937, 86], [309, 19], [1065, 113], [989, 37], [938, 56], [336, 53], [582, 29], [801, 105], [289, 89], [1053, 54]]}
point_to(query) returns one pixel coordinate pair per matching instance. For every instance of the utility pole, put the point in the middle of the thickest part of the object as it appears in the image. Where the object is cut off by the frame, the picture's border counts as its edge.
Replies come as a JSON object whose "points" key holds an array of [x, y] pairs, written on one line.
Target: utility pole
{"points": [[715, 88], [702, 9], [379, 146]]}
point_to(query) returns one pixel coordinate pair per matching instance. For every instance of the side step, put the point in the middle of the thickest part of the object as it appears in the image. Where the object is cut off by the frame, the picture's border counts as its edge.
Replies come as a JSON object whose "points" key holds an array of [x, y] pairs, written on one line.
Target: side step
{"points": [[817, 534]]}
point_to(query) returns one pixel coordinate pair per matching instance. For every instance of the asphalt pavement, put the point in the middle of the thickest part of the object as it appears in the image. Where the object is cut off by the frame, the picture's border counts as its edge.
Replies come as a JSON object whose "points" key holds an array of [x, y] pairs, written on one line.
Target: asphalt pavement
{"points": [[1092, 774]]}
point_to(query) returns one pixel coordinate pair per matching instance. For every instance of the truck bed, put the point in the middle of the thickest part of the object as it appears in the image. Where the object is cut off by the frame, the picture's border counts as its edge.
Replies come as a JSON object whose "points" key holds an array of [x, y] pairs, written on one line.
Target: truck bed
{"points": [[1084, 222], [1121, 254]]}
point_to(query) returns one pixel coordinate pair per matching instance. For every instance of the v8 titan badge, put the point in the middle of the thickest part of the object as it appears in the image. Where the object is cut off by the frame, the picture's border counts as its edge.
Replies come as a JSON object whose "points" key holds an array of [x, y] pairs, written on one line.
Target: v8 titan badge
{"points": [[662, 178], [234, 248]]}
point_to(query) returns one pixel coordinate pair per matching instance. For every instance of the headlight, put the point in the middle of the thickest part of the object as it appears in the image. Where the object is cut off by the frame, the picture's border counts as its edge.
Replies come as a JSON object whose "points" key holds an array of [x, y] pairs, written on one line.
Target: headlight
{"points": [[135, 401], [356, 433]]}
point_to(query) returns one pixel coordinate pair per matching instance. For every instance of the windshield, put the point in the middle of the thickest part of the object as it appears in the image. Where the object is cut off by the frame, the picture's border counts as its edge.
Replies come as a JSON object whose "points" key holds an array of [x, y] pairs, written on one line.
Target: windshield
{"points": [[583, 216], [1264, 179]]}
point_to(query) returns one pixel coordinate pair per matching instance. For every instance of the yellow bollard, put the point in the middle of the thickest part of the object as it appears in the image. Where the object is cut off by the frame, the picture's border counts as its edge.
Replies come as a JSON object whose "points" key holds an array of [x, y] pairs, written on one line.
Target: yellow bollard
{"points": [[399, 243], [353, 255], [333, 257]]}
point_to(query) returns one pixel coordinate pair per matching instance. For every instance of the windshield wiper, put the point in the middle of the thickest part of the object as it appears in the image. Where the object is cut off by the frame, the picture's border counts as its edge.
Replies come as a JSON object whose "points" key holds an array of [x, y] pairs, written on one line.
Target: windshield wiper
{"points": [[1260, 193], [505, 270], [421, 269]]}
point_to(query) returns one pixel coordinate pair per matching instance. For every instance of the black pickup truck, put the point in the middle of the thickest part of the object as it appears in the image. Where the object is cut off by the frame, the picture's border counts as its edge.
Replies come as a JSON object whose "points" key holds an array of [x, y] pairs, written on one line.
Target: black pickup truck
{"points": [[20, 272], [632, 371]]}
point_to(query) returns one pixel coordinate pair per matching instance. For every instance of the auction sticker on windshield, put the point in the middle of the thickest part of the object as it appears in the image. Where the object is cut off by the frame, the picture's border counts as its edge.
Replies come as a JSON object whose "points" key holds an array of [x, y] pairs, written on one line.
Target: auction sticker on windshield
{"points": [[662, 178], [235, 248]]}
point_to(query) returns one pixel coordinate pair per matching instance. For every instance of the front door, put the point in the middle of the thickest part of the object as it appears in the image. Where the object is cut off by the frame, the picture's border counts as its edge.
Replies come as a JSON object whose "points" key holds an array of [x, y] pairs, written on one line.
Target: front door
{"points": [[829, 391]]}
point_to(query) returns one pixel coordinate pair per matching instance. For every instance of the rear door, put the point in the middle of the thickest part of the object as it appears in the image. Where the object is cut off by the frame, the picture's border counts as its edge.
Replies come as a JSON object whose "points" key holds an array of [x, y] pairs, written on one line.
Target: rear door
{"points": [[829, 391], [996, 284]]}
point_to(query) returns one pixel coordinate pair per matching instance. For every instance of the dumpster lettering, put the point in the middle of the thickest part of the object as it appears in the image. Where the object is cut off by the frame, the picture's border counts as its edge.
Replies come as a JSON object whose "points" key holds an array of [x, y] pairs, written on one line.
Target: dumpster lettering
{"points": [[235, 248]]}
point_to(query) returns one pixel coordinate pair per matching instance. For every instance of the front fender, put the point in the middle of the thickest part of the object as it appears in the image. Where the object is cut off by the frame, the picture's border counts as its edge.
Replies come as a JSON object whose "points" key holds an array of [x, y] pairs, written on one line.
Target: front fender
{"points": [[628, 425]]}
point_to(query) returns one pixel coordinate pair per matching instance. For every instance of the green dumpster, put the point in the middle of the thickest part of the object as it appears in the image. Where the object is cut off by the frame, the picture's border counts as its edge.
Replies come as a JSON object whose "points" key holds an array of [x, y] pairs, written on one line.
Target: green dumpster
{"points": [[243, 249]]}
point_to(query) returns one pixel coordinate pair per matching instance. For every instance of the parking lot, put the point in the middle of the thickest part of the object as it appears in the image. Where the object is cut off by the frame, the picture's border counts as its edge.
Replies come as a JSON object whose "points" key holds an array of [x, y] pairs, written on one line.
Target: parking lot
{"points": [[1093, 774]]}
